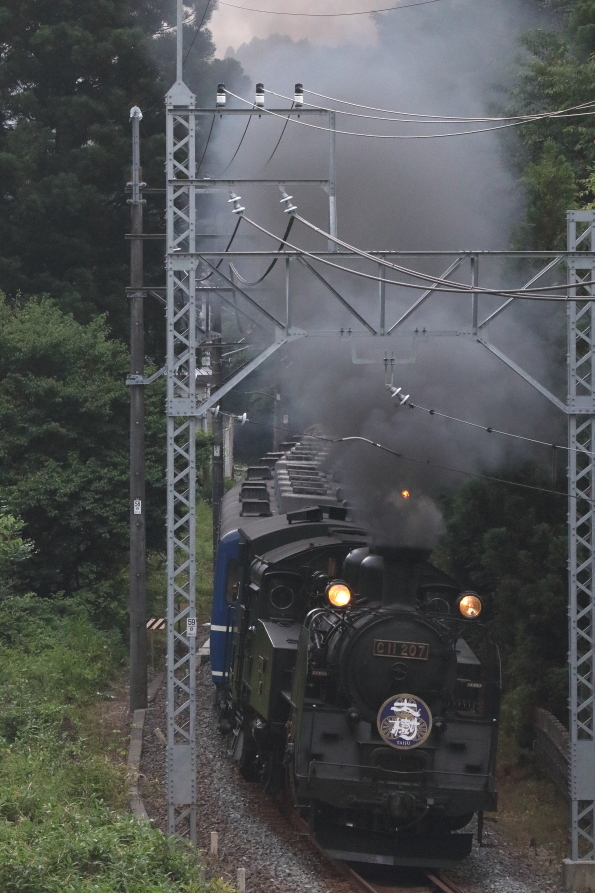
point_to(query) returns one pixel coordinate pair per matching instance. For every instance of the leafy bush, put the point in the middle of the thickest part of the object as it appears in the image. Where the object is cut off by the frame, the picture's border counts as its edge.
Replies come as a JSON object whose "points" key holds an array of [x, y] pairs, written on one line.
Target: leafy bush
{"points": [[61, 784], [98, 850]]}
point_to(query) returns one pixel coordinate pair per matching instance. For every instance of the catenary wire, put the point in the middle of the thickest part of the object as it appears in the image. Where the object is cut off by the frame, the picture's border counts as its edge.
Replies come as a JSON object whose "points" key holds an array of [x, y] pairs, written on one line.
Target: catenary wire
{"points": [[452, 283], [413, 285], [270, 158], [197, 30], [238, 147], [419, 118], [491, 430], [204, 151], [457, 118], [474, 474], [327, 15], [228, 246], [270, 266], [395, 136], [426, 462]]}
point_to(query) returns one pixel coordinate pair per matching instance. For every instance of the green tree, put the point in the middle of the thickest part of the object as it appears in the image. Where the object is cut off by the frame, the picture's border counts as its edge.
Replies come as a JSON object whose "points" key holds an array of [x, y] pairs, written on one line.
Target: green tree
{"points": [[551, 153], [69, 74], [582, 26], [13, 548], [511, 546], [64, 420], [551, 191]]}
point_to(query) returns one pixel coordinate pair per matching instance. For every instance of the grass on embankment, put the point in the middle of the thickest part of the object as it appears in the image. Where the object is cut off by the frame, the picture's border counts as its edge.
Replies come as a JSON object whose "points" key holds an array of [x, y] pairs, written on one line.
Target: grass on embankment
{"points": [[64, 826]]}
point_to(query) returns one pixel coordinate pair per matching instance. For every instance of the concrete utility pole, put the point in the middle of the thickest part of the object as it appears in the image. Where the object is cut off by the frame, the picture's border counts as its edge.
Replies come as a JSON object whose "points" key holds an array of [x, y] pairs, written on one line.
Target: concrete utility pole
{"points": [[138, 567]]}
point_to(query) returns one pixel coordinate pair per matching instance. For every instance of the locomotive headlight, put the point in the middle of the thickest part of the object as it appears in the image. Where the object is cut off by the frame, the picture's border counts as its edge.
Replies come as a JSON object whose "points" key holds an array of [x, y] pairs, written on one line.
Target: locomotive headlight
{"points": [[470, 605], [338, 594]]}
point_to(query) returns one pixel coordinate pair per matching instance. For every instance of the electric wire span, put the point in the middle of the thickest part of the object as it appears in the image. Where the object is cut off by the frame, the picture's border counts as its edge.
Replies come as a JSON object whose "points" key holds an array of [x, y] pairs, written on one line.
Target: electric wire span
{"points": [[468, 289], [453, 119], [419, 118], [327, 15], [399, 136]]}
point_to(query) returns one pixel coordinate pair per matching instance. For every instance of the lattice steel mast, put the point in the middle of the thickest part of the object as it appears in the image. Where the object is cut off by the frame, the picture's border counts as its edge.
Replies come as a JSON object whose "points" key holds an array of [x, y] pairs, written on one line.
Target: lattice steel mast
{"points": [[181, 315], [581, 540]]}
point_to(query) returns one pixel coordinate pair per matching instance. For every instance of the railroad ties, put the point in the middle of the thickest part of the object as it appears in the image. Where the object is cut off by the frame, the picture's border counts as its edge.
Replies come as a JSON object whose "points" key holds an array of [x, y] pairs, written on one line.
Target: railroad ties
{"points": [[432, 883]]}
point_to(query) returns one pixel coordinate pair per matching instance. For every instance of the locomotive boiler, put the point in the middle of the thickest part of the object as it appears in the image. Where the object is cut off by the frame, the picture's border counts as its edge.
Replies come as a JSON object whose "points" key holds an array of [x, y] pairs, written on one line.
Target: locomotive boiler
{"points": [[356, 673]]}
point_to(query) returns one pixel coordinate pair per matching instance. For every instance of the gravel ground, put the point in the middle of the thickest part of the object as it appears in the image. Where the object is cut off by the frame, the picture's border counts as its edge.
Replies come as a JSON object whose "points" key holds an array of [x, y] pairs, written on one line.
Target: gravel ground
{"points": [[255, 833]]}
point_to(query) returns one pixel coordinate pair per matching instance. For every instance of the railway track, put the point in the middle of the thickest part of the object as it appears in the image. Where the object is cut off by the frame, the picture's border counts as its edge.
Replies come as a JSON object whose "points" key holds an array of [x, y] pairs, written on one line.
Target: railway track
{"points": [[432, 883]]}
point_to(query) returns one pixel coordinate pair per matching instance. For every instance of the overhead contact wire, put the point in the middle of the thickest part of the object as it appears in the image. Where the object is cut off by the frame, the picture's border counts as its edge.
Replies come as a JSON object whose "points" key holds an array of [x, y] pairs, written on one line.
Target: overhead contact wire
{"points": [[327, 15], [270, 266], [427, 462], [391, 136], [228, 246], [418, 118], [467, 289], [491, 430], [270, 158], [454, 285], [197, 30], [452, 118], [473, 474], [238, 148]]}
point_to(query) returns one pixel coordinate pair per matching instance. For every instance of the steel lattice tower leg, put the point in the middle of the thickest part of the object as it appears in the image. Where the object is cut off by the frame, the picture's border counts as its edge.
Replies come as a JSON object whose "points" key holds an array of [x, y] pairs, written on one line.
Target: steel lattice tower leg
{"points": [[182, 319], [581, 530]]}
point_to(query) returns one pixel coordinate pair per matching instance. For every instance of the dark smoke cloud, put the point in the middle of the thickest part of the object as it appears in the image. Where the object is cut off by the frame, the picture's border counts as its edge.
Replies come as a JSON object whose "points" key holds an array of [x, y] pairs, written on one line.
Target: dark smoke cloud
{"points": [[453, 58]]}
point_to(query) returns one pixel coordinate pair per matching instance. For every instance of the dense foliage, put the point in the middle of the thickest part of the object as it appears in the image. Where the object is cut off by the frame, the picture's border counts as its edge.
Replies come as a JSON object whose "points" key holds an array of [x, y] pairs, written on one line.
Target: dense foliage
{"points": [[63, 784], [556, 157], [64, 420], [510, 545], [69, 74]]}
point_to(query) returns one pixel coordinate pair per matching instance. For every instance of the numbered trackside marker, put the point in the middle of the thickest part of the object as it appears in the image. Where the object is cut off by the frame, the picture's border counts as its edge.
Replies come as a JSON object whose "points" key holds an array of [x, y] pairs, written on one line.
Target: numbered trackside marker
{"points": [[137, 507], [191, 627]]}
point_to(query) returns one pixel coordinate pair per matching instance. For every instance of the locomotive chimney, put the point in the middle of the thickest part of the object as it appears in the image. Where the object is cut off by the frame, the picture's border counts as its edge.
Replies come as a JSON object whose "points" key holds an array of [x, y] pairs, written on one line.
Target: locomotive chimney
{"points": [[402, 569]]}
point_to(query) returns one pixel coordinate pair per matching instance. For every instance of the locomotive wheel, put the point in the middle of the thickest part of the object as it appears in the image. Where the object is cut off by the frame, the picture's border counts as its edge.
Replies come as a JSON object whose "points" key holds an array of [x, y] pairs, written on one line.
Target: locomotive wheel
{"points": [[273, 774], [247, 763]]}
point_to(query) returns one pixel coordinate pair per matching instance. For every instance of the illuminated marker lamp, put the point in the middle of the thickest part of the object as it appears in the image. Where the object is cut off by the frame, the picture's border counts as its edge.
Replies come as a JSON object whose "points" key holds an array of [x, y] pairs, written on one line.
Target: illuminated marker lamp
{"points": [[338, 594], [470, 605]]}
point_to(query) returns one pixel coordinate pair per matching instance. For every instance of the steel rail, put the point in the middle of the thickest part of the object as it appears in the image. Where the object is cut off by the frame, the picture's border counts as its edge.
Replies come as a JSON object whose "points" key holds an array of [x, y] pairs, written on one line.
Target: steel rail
{"points": [[436, 881]]}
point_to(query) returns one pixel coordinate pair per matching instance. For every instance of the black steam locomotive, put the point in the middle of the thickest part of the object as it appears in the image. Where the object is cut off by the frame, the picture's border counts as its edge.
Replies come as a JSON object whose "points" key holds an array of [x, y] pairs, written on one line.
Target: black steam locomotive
{"points": [[357, 673]]}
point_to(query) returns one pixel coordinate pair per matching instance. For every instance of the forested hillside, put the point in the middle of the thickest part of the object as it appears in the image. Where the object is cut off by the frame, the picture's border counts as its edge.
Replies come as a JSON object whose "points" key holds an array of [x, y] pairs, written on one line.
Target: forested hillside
{"points": [[555, 159], [69, 74], [509, 544]]}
